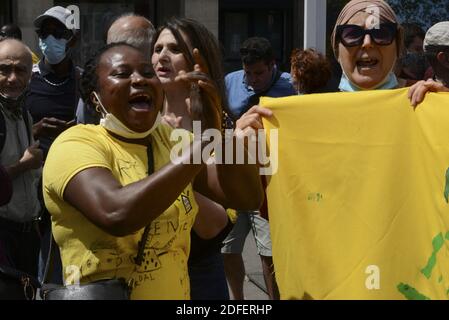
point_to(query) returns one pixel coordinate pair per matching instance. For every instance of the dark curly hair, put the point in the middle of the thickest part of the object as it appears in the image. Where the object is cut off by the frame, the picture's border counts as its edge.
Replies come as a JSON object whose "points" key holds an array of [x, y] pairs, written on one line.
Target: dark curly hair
{"points": [[89, 78], [256, 49], [310, 70]]}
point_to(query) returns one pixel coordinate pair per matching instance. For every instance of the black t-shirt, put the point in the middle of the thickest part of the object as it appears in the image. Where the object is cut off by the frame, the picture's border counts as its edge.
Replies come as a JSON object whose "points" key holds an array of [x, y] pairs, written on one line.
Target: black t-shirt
{"points": [[50, 96]]}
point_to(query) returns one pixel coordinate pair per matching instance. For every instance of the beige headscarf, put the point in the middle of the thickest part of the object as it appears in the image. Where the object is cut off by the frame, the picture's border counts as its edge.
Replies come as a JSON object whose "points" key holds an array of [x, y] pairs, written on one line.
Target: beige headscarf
{"points": [[355, 6]]}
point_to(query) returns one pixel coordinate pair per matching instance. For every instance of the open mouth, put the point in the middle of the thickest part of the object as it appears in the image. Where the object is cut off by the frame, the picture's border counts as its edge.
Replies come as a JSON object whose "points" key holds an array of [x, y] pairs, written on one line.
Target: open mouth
{"points": [[141, 102], [163, 71], [367, 62]]}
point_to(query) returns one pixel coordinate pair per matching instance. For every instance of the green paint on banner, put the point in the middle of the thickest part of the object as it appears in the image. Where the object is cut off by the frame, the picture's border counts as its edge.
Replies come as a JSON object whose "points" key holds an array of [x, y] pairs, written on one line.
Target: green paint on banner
{"points": [[447, 292], [447, 236], [440, 279], [437, 244], [411, 293], [446, 189]]}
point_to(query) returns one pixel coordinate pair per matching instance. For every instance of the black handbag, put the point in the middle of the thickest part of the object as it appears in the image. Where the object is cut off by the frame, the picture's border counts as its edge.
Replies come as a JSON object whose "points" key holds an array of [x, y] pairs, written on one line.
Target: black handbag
{"points": [[108, 289], [111, 289], [17, 285]]}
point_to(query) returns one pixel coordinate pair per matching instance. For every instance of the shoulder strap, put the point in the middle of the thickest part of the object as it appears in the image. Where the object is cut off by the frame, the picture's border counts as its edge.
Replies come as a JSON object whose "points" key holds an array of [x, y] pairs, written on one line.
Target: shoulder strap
{"points": [[141, 246], [48, 262], [2, 131], [26, 120]]}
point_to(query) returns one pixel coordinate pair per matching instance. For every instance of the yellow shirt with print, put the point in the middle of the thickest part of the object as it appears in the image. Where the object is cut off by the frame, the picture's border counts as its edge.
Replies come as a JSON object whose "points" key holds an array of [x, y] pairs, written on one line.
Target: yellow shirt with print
{"points": [[93, 254]]}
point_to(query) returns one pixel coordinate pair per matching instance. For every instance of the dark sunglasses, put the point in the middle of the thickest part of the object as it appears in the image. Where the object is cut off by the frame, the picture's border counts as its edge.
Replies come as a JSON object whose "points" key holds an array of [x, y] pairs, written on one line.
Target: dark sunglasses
{"points": [[57, 33], [352, 35]]}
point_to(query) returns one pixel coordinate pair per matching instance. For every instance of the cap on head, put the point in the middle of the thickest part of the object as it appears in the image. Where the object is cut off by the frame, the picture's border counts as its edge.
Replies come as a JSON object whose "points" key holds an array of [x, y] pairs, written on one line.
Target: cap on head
{"points": [[59, 13], [437, 36]]}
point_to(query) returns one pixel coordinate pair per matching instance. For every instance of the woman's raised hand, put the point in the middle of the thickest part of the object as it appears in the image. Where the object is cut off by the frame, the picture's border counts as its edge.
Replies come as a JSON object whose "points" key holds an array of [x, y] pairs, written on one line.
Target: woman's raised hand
{"points": [[252, 119], [205, 102]]}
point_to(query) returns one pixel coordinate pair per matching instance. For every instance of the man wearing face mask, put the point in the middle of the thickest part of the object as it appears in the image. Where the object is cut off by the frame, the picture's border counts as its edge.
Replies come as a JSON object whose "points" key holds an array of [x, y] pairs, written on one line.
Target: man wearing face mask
{"points": [[53, 93], [21, 158]]}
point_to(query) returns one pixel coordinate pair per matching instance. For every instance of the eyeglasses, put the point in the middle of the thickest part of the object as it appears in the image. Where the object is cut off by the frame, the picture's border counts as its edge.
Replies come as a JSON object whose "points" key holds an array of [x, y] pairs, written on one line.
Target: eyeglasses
{"points": [[352, 35], [57, 33]]}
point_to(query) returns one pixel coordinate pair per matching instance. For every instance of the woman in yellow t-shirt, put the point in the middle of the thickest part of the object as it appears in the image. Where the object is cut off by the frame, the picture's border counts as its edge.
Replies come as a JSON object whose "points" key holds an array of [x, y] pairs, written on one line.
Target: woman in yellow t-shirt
{"points": [[104, 185]]}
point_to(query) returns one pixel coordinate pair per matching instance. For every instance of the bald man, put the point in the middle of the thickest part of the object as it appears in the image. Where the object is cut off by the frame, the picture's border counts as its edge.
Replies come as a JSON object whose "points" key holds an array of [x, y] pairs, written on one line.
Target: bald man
{"points": [[133, 29], [21, 157], [13, 31]]}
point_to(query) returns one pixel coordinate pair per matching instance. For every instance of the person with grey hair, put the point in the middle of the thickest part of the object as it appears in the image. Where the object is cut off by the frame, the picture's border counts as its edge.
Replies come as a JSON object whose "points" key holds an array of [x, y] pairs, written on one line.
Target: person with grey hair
{"points": [[132, 29], [21, 157], [436, 49]]}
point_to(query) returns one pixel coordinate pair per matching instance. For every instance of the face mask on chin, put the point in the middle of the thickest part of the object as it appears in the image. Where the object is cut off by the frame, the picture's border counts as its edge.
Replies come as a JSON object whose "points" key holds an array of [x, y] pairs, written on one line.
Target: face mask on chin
{"points": [[14, 105], [54, 50], [113, 124]]}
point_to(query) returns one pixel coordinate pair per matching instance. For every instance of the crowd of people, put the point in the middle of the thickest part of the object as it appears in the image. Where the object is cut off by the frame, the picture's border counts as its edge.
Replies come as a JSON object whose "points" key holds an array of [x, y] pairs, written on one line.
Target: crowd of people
{"points": [[90, 195]]}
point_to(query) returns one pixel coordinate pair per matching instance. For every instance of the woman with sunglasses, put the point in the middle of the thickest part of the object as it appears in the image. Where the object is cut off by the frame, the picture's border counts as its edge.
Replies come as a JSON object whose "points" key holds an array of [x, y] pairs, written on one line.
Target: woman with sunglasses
{"points": [[367, 40]]}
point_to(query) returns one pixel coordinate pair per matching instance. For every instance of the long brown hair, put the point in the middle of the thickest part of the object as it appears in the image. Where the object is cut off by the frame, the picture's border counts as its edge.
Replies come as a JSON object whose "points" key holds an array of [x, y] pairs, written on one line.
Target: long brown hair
{"points": [[202, 39]]}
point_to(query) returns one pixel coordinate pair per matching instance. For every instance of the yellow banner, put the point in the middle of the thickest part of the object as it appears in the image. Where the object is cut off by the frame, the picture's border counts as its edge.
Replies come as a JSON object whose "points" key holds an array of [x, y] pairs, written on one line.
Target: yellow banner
{"points": [[359, 205]]}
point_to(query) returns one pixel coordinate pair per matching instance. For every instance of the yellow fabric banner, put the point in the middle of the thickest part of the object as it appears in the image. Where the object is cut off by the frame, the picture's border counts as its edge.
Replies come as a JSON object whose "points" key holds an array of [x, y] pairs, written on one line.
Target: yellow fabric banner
{"points": [[359, 205]]}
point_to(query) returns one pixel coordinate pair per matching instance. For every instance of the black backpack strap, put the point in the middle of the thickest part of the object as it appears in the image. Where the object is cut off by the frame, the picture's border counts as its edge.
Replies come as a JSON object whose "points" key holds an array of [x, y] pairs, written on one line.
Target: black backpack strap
{"points": [[2, 131], [28, 127]]}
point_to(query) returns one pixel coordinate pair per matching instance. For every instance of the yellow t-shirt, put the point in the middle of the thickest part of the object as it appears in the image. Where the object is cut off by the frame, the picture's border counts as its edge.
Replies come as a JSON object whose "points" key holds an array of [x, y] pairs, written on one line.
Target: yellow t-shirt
{"points": [[94, 254], [34, 58]]}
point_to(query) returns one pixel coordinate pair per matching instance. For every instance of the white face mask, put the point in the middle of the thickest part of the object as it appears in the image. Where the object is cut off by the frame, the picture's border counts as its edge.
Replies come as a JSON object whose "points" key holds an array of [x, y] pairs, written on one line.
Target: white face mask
{"points": [[113, 124]]}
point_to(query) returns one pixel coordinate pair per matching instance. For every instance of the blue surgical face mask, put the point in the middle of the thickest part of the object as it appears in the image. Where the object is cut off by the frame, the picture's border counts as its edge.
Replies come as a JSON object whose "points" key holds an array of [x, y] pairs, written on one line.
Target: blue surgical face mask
{"points": [[53, 49], [390, 82]]}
